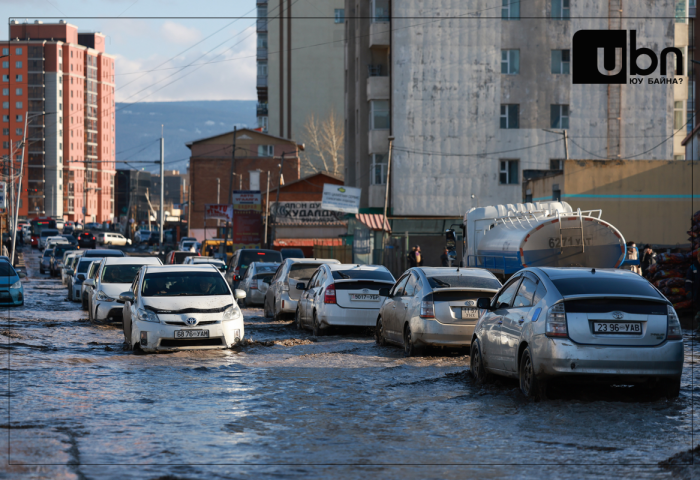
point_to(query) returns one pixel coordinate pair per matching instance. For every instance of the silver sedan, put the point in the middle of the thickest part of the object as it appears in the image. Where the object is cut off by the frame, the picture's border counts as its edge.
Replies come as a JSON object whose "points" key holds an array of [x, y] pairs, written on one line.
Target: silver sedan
{"points": [[579, 324], [434, 307]]}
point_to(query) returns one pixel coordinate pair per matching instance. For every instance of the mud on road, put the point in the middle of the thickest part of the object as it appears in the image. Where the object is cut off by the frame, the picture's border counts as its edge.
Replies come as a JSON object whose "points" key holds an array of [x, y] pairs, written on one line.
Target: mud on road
{"points": [[291, 405]]}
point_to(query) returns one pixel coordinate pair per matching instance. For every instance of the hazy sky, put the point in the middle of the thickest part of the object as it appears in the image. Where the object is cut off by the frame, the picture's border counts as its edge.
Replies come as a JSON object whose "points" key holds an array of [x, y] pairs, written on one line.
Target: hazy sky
{"points": [[141, 44]]}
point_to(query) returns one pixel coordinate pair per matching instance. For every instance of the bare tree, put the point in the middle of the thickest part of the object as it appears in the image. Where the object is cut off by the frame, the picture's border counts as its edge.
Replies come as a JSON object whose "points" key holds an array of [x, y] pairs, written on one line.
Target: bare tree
{"points": [[325, 143]]}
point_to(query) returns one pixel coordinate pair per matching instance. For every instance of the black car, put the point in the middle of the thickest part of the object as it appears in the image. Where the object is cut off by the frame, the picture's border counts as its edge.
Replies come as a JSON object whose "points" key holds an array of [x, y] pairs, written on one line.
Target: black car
{"points": [[87, 240], [56, 262], [292, 253], [238, 263], [71, 239]]}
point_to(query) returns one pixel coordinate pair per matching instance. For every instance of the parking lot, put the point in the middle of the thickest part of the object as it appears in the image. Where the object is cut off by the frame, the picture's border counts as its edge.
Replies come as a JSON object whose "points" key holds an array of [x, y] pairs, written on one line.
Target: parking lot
{"points": [[293, 405]]}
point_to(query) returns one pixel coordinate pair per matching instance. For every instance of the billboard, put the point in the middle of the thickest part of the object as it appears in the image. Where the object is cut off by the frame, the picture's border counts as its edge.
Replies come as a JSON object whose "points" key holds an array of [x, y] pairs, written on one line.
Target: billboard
{"points": [[247, 217], [300, 213], [340, 198], [218, 211]]}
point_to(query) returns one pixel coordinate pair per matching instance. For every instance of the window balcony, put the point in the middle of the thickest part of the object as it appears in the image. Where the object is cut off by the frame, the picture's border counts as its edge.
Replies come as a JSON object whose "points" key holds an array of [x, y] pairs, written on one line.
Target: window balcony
{"points": [[378, 88], [262, 109], [261, 81], [379, 35], [262, 53]]}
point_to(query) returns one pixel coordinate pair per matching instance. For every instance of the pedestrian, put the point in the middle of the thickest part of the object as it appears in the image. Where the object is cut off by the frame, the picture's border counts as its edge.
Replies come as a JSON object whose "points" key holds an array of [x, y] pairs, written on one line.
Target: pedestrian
{"points": [[415, 258], [445, 258], [648, 259], [633, 254]]}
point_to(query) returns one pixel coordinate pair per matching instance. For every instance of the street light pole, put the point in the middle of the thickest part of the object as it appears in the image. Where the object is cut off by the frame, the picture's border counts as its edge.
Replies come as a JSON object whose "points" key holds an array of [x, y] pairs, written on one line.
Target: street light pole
{"points": [[277, 200], [162, 188]]}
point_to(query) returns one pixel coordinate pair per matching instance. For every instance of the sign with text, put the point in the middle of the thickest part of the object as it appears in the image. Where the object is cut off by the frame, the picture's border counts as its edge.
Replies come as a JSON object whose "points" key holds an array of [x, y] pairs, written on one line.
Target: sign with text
{"points": [[300, 213], [340, 198], [218, 211], [247, 216]]}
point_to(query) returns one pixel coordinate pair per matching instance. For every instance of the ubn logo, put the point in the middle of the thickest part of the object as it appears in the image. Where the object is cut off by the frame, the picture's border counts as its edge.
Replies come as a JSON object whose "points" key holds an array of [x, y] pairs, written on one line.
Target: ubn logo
{"points": [[595, 55]]}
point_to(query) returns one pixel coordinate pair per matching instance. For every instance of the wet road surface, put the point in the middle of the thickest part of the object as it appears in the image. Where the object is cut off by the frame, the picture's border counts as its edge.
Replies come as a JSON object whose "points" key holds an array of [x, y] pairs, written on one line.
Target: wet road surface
{"points": [[80, 406]]}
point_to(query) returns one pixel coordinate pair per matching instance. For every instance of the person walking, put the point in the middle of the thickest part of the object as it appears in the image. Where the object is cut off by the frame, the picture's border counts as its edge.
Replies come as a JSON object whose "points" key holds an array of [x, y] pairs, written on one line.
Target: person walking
{"points": [[633, 254], [648, 259], [415, 258], [445, 258]]}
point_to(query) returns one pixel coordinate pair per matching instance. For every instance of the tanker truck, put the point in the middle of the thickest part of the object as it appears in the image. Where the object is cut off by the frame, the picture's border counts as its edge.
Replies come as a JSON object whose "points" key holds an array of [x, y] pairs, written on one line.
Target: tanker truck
{"points": [[506, 238]]}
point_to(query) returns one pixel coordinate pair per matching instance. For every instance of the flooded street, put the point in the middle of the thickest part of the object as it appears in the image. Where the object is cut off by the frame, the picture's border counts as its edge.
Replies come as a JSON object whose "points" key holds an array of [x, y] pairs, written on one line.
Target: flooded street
{"points": [[286, 405]]}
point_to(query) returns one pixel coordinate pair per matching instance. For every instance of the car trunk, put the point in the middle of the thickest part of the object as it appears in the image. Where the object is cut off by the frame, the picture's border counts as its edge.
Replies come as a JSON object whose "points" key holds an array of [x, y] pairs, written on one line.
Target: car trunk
{"points": [[458, 305], [359, 293], [616, 321]]}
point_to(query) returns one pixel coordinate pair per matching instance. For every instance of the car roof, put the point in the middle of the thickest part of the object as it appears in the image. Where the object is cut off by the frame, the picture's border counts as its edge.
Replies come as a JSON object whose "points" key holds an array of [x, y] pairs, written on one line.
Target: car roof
{"points": [[266, 250], [460, 271], [132, 261], [355, 266], [90, 259], [205, 259], [312, 260], [103, 252], [206, 267], [577, 272]]}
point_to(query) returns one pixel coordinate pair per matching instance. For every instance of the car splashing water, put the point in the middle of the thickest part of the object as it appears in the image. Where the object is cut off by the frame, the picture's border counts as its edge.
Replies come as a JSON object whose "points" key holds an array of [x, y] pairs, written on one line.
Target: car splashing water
{"points": [[287, 404]]}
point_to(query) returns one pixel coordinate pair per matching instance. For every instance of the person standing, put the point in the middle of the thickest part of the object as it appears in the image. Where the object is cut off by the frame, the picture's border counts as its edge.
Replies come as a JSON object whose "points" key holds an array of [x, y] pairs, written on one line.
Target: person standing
{"points": [[445, 258], [648, 259], [415, 258]]}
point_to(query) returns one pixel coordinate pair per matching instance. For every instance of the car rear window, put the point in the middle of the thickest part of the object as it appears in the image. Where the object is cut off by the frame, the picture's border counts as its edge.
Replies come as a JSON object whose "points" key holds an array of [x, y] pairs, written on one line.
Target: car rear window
{"points": [[104, 253], [605, 286], [120, 273], [248, 257], [292, 253], [173, 284], [463, 281], [303, 271], [6, 270], [49, 233], [84, 266], [181, 256], [363, 275]]}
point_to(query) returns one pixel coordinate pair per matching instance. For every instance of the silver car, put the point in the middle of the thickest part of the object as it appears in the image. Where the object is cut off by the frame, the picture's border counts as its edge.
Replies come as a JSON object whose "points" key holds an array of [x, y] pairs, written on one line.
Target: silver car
{"points": [[255, 282], [579, 324], [282, 295], [87, 287], [434, 307]]}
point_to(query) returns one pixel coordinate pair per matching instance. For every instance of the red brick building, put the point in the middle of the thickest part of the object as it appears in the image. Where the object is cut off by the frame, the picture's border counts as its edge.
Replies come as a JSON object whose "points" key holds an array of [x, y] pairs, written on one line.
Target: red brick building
{"points": [[210, 169], [60, 82]]}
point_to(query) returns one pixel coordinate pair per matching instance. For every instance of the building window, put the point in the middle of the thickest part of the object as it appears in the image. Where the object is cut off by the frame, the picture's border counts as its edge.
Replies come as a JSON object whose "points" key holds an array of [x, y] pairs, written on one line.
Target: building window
{"points": [[5, 64], [559, 115], [379, 168], [5, 118], [5, 91], [18, 131], [5, 131], [266, 150], [679, 157], [18, 50], [556, 165], [263, 122], [560, 62], [509, 172], [560, 10], [678, 115], [18, 91], [509, 116], [262, 40], [339, 15], [5, 78], [18, 118], [380, 11], [18, 64], [379, 118], [18, 104], [5, 51], [5, 144], [7, 104], [262, 69], [556, 193], [510, 62], [262, 12], [18, 78], [510, 9]]}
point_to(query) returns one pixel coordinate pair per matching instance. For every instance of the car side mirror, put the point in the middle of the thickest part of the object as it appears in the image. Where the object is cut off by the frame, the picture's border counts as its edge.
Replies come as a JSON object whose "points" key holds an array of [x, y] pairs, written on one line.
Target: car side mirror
{"points": [[301, 286], [239, 294], [484, 303], [90, 282], [384, 292], [22, 275], [125, 297]]}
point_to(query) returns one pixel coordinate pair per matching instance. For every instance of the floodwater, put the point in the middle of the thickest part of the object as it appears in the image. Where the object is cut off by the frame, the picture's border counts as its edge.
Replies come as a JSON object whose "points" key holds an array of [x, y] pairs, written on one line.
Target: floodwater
{"points": [[80, 406]]}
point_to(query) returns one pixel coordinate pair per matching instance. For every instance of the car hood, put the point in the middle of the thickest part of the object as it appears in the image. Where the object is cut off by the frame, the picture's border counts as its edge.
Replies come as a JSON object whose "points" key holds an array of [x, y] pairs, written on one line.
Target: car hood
{"points": [[7, 281], [189, 304], [114, 289]]}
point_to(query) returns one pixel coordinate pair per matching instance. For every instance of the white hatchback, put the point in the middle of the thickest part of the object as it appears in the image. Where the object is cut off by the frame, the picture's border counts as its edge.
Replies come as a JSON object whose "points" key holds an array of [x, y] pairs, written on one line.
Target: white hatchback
{"points": [[342, 295]]}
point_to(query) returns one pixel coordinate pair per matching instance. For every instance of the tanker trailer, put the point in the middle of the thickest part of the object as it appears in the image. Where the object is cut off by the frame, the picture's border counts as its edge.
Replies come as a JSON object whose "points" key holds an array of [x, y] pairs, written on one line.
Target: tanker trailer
{"points": [[507, 238]]}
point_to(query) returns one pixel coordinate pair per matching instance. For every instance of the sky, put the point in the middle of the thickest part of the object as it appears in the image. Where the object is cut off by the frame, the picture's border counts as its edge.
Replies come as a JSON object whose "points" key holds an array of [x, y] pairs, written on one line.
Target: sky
{"points": [[163, 59]]}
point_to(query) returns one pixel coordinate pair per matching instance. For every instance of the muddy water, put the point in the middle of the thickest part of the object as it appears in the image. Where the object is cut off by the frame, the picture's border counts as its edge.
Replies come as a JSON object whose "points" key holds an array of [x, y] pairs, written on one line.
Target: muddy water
{"points": [[82, 407]]}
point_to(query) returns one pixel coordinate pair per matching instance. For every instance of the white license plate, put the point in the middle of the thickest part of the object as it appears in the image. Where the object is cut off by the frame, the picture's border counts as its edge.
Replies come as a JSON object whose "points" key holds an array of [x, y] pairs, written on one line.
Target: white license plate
{"points": [[364, 297], [470, 313], [617, 327], [191, 333]]}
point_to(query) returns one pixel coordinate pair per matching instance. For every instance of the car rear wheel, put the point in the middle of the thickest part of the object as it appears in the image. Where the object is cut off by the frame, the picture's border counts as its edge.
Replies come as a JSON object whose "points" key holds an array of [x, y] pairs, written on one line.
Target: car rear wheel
{"points": [[529, 384], [84, 304], [409, 348], [297, 320], [672, 388], [90, 317], [379, 333], [317, 327], [266, 311], [476, 365]]}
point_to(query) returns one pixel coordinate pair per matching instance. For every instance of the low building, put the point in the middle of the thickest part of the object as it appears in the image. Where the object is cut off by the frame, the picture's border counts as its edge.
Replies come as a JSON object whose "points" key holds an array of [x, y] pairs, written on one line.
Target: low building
{"points": [[648, 201]]}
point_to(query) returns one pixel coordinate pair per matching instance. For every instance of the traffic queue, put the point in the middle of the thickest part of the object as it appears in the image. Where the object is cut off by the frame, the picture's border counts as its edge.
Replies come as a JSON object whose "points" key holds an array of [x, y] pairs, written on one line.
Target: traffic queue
{"points": [[541, 324]]}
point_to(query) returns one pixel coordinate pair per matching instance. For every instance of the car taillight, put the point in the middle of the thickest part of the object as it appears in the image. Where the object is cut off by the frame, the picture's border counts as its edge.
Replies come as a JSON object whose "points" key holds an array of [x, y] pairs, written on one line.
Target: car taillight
{"points": [[254, 284], [556, 322], [329, 294], [427, 307], [93, 238], [674, 325]]}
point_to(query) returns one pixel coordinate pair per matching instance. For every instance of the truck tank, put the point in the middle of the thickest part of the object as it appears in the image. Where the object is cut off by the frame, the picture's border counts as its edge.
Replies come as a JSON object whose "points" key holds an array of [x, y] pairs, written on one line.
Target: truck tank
{"points": [[506, 238]]}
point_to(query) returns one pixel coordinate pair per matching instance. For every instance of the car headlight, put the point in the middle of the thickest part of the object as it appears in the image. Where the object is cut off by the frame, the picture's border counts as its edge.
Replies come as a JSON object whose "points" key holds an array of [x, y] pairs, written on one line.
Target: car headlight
{"points": [[231, 313], [17, 285], [102, 296], [146, 316]]}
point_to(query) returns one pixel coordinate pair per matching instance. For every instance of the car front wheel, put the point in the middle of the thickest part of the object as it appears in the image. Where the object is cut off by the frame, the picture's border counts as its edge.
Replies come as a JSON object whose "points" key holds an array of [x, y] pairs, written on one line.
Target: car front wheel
{"points": [[409, 348], [476, 364], [529, 384]]}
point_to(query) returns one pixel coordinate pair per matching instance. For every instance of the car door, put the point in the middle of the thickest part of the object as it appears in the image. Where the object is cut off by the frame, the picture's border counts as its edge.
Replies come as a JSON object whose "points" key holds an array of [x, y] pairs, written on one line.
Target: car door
{"points": [[491, 347], [304, 299], [403, 303], [315, 295], [389, 316], [128, 309], [514, 320]]}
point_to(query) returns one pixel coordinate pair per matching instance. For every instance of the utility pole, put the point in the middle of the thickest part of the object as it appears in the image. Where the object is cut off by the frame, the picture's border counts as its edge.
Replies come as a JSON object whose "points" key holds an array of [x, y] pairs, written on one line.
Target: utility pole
{"points": [[162, 187], [19, 189], [267, 208], [10, 223], [566, 144], [229, 199], [218, 201], [277, 200], [388, 176]]}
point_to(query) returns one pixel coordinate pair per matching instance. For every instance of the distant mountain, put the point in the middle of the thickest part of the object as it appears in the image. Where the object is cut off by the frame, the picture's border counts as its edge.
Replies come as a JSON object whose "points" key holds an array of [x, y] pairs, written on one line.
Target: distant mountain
{"points": [[138, 128]]}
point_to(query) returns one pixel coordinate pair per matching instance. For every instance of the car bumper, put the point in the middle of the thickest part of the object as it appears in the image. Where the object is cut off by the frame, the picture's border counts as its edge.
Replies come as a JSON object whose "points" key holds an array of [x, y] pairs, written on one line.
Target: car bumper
{"points": [[431, 332], [255, 296], [77, 291], [111, 311], [334, 315], [161, 337], [287, 305], [562, 357], [11, 297]]}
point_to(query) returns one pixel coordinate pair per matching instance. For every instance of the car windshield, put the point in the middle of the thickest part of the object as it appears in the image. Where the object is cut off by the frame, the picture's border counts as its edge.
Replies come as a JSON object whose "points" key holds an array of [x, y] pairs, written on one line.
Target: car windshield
{"points": [[172, 284], [47, 253], [119, 273], [6, 270], [463, 281], [303, 271], [363, 275], [251, 256], [605, 286], [84, 266]]}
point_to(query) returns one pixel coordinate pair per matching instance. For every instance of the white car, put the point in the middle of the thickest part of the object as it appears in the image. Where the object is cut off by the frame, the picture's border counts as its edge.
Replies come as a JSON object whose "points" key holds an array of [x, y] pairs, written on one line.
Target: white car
{"points": [[176, 307], [44, 235], [69, 262], [115, 275], [256, 281], [342, 295], [142, 236], [110, 238], [282, 295], [78, 274], [185, 239], [206, 260]]}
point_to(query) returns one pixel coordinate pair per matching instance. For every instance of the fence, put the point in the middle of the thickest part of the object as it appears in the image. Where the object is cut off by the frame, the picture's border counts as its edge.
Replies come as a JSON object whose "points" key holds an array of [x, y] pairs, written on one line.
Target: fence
{"points": [[342, 253]]}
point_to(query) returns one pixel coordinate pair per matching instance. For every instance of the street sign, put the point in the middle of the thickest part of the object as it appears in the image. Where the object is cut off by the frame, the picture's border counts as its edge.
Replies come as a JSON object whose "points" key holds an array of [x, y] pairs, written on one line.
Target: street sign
{"points": [[218, 211], [341, 198], [3, 194]]}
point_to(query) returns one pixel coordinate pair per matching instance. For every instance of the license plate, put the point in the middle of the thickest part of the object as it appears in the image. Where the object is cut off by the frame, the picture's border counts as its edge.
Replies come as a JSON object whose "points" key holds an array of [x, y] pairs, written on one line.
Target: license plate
{"points": [[617, 327], [364, 297], [191, 333], [470, 313]]}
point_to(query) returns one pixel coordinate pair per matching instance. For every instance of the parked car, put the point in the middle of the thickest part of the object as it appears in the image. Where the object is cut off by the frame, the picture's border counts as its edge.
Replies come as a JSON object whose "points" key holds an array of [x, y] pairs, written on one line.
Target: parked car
{"points": [[87, 286], [115, 275], [176, 257], [196, 260], [45, 261], [43, 235], [292, 253], [78, 275], [67, 229], [87, 239], [69, 263], [434, 307], [56, 259], [239, 261], [93, 226], [109, 238], [104, 252], [282, 295], [11, 289], [256, 281], [579, 324], [183, 240], [342, 295], [142, 236], [167, 307], [70, 239]]}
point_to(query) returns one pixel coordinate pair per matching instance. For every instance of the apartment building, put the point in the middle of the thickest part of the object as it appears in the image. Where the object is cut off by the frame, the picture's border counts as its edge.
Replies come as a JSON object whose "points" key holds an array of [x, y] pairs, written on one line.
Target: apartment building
{"points": [[300, 67], [60, 83], [479, 100]]}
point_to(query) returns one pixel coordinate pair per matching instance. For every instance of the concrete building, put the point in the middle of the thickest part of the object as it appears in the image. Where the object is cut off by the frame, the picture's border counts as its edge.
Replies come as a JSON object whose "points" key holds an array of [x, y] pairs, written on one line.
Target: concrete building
{"points": [[131, 187], [62, 81], [258, 156], [300, 69], [477, 102], [173, 192]]}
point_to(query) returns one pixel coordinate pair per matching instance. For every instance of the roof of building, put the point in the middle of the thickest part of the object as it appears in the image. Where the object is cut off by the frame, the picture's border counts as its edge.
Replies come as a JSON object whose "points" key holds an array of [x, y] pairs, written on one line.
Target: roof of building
{"points": [[306, 179], [257, 132]]}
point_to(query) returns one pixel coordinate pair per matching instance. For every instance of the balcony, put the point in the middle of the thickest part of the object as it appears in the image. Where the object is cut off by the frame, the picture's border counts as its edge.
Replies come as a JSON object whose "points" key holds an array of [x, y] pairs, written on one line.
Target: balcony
{"points": [[379, 35], [262, 53], [378, 141], [378, 88], [261, 81], [261, 25], [262, 109]]}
